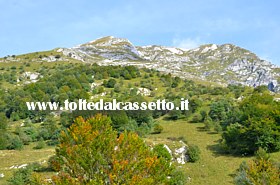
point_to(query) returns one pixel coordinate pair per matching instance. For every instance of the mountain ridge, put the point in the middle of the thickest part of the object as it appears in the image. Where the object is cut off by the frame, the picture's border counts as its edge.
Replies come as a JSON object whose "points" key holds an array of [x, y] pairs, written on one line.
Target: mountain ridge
{"points": [[224, 64]]}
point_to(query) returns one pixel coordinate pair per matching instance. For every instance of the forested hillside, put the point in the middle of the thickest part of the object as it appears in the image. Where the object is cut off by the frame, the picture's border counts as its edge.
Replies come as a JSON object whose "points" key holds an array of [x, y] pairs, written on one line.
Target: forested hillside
{"points": [[243, 120]]}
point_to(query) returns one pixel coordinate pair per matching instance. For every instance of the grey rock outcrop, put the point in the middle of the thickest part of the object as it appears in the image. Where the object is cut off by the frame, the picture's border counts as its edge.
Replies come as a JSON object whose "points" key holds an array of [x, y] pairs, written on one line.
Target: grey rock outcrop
{"points": [[225, 64]]}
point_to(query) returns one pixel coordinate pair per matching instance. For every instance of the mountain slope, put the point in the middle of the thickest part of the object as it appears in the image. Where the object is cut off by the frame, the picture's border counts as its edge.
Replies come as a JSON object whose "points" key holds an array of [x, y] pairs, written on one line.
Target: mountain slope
{"points": [[225, 64]]}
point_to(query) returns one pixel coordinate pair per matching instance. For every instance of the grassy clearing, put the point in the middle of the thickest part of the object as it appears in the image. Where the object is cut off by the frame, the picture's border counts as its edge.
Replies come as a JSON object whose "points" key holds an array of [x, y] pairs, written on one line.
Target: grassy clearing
{"points": [[213, 167], [9, 158]]}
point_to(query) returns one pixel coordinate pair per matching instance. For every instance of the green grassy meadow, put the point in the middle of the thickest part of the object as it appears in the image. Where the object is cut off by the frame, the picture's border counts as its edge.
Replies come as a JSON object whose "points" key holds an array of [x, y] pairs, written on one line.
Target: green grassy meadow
{"points": [[213, 166]]}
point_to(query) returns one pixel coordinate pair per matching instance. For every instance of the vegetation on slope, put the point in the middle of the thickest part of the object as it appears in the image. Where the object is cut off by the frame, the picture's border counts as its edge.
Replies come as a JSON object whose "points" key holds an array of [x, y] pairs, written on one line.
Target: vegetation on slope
{"points": [[221, 109]]}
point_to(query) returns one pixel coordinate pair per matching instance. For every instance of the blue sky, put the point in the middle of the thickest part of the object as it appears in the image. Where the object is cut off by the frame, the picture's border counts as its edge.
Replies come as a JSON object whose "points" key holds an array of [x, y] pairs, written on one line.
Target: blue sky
{"points": [[35, 25]]}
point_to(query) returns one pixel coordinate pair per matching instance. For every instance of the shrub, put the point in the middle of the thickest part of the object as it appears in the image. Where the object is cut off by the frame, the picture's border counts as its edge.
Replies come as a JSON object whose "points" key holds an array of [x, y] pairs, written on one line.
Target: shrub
{"points": [[217, 127], [161, 151], [157, 129], [121, 159], [14, 142], [260, 170], [26, 139], [111, 83], [203, 114], [117, 88], [32, 132], [130, 126], [3, 121], [54, 163], [21, 176], [14, 116], [41, 144], [174, 114], [57, 56], [24, 176], [177, 178], [208, 123], [3, 140], [193, 152], [43, 133], [196, 118], [54, 138]]}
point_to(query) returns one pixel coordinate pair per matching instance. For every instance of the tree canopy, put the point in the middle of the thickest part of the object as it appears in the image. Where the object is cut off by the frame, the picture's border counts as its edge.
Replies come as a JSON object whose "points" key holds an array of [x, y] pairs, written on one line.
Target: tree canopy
{"points": [[91, 152]]}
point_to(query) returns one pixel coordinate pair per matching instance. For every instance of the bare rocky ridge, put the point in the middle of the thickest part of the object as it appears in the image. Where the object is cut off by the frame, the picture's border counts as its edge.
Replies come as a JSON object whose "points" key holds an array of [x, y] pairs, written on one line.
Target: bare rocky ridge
{"points": [[225, 64]]}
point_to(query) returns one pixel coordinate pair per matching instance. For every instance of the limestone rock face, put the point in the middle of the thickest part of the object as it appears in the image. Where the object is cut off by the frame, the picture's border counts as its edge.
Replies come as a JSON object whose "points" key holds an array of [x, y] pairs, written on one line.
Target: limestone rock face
{"points": [[225, 64]]}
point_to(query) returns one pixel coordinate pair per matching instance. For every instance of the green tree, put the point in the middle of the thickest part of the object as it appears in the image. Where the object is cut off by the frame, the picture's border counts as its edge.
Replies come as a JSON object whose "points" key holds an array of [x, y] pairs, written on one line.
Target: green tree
{"points": [[111, 83], [258, 126]]}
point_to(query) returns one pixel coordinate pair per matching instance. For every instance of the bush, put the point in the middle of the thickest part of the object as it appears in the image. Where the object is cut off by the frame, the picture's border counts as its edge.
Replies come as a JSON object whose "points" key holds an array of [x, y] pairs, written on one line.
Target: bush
{"points": [[54, 139], [193, 153], [260, 170], [111, 83], [117, 88], [196, 118], [57, 56], [32, 132], [3, 140], [177, 178], [43, 133], [157, 129], [24, 176], [3, 121], [121, 158], [53, 163], [21, 176], [14, 142], [161, 151], [26, 139], [203, 114], [174, 114], [217, 127], [143, 130], [208, 123], [130, 126], [14, 116], [41, 144]]}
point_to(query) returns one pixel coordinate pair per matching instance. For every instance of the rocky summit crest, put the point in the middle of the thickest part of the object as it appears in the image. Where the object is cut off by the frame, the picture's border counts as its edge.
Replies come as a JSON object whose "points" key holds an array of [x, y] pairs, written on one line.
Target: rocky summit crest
{"points": [[225, 64]]}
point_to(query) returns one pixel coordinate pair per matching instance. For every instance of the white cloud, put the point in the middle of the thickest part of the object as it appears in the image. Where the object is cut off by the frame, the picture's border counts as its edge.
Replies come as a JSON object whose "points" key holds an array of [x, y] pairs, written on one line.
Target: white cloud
{"points": [[188, 43]]}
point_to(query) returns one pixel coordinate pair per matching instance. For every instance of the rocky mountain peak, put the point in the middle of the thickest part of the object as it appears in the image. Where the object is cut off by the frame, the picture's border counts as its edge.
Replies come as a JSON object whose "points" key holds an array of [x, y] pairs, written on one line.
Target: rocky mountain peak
{"points": [[225, 64], [110, 41]]}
